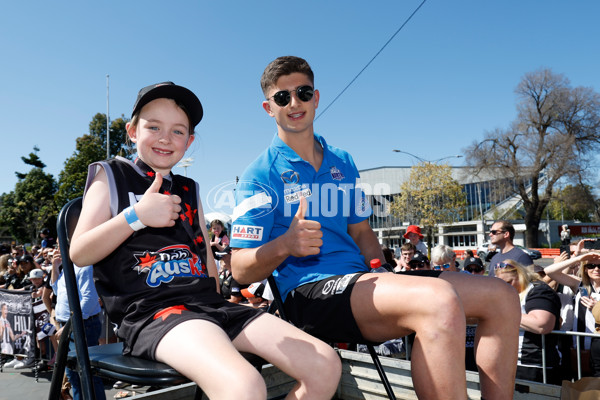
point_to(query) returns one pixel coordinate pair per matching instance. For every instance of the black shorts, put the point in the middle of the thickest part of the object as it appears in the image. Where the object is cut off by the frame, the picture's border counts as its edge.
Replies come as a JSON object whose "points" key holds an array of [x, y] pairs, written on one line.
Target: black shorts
{"points": [[323, 309], [230, 317]]}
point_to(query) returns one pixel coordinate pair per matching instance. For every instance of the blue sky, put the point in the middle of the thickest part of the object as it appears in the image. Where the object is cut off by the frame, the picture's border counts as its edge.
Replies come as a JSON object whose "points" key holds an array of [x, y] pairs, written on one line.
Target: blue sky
{"points": [[440, 84]]}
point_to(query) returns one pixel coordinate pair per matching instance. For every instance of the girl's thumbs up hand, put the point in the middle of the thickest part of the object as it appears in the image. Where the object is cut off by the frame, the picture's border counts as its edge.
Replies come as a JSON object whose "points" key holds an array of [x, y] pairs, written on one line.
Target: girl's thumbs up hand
{"points": [[155, 209]]}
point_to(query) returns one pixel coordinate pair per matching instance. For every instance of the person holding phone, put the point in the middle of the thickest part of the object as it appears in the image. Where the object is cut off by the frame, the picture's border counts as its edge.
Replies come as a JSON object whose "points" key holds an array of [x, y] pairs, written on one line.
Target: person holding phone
{"points": [[585, 282]]}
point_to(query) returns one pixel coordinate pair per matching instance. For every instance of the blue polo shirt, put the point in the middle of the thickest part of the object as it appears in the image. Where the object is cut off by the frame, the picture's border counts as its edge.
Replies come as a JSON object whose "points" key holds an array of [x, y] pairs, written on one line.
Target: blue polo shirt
{"points": [[267, 198]]}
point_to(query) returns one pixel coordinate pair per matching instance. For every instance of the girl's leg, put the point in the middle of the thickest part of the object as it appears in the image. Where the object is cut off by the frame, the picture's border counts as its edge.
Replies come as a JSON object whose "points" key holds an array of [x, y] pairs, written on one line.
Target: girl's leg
{"points": [[389, 306], [495, 306], [314, 364], [202, 351]]}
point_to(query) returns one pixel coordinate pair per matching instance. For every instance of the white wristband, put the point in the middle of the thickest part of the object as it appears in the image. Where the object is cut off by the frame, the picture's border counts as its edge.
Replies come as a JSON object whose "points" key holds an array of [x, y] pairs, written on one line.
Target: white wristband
{"points": [[132, 219]]}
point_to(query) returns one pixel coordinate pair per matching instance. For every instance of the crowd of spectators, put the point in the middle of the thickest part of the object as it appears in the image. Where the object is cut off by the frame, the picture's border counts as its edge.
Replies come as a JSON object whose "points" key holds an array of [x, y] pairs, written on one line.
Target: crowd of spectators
{"points": [[560, 296]]}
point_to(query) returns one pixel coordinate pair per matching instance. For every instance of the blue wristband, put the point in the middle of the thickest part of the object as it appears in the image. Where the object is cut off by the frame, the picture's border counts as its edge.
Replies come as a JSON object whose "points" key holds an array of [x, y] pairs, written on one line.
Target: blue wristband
{"points": [[132, 219]]}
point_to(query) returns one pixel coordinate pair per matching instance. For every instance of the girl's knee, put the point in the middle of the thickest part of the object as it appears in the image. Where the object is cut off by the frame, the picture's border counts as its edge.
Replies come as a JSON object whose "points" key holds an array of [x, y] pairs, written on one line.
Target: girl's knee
{"points": [[242, 387], [325, 368]]}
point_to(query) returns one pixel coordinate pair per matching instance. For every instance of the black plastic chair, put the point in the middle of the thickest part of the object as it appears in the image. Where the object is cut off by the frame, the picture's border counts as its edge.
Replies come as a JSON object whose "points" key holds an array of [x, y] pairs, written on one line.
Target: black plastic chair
{"points": [[106, 361], [278, 304]]}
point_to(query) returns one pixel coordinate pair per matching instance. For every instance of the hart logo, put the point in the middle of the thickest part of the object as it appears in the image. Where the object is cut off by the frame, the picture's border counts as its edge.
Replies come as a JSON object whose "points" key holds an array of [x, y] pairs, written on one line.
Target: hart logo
{"points": [[247, 232]]}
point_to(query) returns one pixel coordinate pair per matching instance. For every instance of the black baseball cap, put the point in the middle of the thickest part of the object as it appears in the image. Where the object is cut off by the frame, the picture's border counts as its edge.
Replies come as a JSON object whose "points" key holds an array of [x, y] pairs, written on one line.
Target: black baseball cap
{"points": [[473, 261], [419, 257], [169, 90]]}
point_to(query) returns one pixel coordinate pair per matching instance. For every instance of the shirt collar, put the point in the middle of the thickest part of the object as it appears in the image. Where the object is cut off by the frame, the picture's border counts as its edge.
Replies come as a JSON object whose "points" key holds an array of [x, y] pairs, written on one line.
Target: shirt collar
{"points": [[290, 154]]}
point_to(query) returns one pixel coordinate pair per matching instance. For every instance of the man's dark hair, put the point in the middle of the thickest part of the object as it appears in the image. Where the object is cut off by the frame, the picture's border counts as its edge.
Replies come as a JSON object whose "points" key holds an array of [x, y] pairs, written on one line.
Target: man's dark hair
{"points": [[281, 66], [508, 227]]}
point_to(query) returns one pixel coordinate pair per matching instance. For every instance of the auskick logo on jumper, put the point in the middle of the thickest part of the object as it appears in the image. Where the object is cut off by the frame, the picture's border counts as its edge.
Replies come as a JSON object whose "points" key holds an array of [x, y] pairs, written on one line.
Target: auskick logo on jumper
{"points": [[168, 263], [247, 232]]}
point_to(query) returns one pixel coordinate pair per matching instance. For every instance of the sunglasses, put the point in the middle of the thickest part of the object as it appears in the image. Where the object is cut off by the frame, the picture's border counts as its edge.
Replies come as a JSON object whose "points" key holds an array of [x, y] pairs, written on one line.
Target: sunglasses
{"points": [[283, 97], [495, 232], [473, 269], [440, 267], [591, 266], [503, 265]]}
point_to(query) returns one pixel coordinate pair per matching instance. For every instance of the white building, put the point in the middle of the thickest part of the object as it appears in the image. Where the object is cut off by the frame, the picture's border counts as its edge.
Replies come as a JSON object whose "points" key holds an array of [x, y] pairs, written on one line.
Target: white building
{"points": [[487, 201]]}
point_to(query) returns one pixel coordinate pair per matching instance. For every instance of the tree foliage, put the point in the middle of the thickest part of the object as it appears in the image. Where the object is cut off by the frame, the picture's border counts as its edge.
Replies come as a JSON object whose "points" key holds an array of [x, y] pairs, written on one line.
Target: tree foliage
{"points": [[430, 197], [30, 206], [555, 134], [119, 145], [574, 202], [88, 149]]}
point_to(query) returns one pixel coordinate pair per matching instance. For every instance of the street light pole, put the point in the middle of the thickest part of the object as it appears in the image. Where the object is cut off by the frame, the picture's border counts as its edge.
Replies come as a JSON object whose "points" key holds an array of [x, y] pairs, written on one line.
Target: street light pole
{"points": [[186, 162]]}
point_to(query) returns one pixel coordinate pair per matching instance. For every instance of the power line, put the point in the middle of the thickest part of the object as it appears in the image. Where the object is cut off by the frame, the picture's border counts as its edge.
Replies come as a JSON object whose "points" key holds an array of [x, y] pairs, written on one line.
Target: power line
{"points": [[372, 59]]}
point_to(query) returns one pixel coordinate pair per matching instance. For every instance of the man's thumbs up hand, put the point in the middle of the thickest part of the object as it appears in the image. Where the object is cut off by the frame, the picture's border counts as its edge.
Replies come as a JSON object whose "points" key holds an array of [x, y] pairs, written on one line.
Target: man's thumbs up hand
{"points": [[303, 237]]}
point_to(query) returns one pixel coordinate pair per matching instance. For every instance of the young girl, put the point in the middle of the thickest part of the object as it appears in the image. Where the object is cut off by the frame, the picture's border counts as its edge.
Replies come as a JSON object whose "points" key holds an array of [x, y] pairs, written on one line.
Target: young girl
{"points": [[219, 239], [141, 230]]}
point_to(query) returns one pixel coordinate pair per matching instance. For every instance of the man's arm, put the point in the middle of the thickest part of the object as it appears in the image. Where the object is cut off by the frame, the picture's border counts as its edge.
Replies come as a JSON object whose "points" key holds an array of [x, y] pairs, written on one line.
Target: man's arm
{"points": [[367, 242], [303, 238]]}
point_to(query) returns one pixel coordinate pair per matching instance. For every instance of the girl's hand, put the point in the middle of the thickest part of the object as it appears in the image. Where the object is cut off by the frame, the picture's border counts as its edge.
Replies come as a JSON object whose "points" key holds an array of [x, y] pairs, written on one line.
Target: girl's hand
{"points": [[158, 210]]}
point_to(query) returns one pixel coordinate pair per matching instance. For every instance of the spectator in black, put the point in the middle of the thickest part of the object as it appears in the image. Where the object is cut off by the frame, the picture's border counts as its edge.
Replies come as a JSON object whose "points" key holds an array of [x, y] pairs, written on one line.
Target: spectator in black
{"points": [[419, 262], [389, 256], [47, 240], [540, 314]]}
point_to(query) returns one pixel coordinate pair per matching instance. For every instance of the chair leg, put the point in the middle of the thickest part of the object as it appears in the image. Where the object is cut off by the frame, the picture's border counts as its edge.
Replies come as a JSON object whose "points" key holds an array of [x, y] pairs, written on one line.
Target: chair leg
{"points": [[198, 393], [381, 372], [60, 363]]}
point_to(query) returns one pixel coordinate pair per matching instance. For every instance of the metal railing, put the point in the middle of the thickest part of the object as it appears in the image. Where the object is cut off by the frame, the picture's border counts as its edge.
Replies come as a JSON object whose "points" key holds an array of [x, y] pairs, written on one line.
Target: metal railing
{"points": [[577, 336]]}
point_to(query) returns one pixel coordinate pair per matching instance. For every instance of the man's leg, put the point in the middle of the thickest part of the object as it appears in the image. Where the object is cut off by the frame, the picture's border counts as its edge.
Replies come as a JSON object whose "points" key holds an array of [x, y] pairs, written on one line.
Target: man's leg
{"points": [[388, 306], [496, 307]]}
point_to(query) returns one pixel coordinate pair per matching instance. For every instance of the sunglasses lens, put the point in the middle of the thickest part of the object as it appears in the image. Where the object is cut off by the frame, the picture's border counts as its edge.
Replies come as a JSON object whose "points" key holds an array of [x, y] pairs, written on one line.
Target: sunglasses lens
{"points": [[282, 98], [305, 93]]}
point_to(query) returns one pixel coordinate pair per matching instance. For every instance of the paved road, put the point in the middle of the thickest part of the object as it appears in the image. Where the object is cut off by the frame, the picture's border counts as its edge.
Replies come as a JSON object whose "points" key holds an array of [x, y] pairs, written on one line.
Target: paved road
{"points": [[21, 385]]}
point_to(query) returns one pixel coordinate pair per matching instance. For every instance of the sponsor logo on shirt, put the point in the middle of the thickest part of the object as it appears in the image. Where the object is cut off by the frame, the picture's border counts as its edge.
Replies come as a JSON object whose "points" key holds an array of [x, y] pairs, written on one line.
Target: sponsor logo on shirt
{"points": [[293, 194], [168, 263], [336, 174], [247, 232], [290, 177]]}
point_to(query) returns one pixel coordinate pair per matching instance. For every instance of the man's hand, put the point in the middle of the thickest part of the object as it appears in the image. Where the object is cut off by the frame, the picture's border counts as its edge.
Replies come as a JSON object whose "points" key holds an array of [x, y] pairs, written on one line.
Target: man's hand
{"points": [[158, 210], [303, 237]]}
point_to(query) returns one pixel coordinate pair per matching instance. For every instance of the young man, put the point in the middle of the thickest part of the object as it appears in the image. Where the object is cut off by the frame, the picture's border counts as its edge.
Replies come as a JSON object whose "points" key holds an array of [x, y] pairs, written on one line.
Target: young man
{"points": [[407, 252], [300, 217], [502, 235]]}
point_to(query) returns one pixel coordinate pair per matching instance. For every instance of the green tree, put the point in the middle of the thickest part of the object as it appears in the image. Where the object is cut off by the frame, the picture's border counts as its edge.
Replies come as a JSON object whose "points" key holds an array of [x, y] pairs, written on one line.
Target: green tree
{"points": [[430, 197], [30, 206], [119, 144], [555, 136], [574, 202], [88, 149]]}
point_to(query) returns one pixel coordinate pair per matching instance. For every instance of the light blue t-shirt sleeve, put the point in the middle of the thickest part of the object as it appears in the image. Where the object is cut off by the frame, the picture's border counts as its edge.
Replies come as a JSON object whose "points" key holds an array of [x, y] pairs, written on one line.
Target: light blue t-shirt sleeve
{"points": [[253, 216]]}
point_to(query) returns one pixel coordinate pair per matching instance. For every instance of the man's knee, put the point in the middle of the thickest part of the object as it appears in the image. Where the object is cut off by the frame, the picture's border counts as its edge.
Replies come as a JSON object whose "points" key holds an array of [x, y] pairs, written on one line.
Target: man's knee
{"points": [[442, 306]]}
